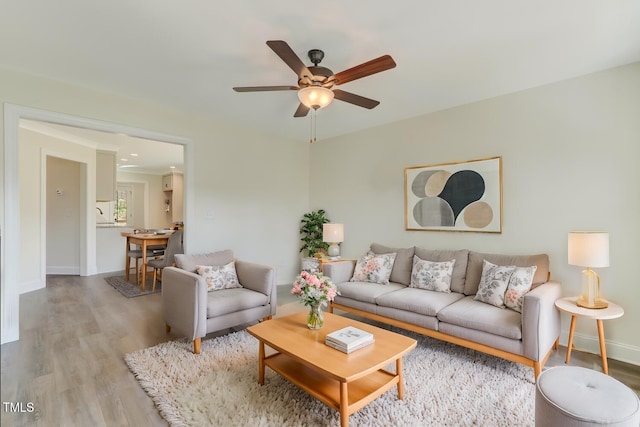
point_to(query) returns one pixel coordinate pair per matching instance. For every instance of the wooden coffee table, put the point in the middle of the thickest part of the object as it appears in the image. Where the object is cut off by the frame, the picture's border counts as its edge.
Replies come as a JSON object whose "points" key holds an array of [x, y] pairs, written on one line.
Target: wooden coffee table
{"points": [[345, 382]]}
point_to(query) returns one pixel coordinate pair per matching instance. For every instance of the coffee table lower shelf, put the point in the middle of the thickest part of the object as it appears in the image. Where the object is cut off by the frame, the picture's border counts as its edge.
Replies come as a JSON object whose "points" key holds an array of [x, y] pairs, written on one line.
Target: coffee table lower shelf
{"points": [[357, 393]]}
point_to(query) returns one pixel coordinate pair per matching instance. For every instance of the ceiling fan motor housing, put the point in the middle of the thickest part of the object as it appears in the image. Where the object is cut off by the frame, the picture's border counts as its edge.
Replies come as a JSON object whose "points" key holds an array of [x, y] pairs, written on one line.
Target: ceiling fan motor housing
{"points": [[316, 56]]}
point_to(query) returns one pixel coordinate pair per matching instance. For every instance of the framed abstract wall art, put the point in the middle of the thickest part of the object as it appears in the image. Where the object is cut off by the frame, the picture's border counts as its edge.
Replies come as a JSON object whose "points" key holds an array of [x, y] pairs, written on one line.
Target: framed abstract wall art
{"points": [[464, 196]]}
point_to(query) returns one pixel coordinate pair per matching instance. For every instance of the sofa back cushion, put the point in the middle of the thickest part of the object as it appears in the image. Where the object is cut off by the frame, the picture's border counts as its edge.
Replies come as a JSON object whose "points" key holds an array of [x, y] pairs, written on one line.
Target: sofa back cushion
{"points": [[189, 262], [401, 271], [459, 268], [474, 268]]}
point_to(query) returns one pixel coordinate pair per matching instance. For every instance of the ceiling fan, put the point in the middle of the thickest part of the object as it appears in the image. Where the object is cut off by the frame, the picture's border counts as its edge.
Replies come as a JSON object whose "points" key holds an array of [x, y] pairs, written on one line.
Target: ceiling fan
{"points": [[315, 83]]}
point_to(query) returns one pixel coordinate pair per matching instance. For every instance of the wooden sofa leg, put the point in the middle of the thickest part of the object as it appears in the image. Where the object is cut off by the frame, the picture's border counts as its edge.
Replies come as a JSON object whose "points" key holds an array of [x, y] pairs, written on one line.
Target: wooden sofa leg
{"points": [[167, 328], [264, 319], [556, 344], [196, 346], [537, 369]]}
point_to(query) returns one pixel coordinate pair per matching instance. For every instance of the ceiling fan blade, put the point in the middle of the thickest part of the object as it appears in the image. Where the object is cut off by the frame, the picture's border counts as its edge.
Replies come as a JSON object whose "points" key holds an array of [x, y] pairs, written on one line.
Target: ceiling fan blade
{"points": [[282, 49], [302, 111], [352, 98], [374, 66], [263, 88]]}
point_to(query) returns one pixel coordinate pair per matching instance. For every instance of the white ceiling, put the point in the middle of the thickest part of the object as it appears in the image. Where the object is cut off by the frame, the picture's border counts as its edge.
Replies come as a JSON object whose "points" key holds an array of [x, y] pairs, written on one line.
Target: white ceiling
{"points": [[132, 154], [189, 54]]}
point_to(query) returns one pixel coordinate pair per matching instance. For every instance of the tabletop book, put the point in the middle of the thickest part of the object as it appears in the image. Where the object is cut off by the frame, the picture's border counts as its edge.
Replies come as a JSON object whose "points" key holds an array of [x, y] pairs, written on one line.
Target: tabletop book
{"points": [[349, 339]]}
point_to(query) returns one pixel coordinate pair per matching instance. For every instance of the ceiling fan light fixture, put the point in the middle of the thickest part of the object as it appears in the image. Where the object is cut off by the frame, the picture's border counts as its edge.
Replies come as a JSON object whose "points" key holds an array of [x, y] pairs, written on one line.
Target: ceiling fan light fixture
{"points": [[315, 97]]}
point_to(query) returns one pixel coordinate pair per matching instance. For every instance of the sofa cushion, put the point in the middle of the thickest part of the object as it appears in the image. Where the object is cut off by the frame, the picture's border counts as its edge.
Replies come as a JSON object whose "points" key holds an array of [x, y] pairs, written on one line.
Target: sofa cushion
{"points": [[418, 301], [228, 301], [189, 262], [474, 269], [459, 269], [431, 275], [493, 283], [374, 268], [219, 276], [365, 291], [519, 284], [477, 315], [401, 271]]}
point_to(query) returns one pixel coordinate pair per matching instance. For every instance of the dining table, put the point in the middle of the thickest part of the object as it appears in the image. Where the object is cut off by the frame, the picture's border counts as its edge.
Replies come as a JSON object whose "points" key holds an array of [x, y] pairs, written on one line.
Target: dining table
{"points": [[143, 240]]}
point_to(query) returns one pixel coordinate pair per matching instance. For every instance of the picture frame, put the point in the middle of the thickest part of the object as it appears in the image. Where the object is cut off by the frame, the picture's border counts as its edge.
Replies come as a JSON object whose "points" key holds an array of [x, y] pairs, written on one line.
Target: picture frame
{"points": [[459, 196]]}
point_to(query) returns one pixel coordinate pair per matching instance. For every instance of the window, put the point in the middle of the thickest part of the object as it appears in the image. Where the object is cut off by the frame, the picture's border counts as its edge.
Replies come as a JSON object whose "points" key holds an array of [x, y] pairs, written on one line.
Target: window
{"points": [[124, 204]]}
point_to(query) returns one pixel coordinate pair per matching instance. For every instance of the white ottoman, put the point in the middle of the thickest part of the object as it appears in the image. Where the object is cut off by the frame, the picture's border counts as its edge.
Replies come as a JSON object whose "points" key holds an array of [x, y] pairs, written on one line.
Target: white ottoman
{"points": [[570, 396]]}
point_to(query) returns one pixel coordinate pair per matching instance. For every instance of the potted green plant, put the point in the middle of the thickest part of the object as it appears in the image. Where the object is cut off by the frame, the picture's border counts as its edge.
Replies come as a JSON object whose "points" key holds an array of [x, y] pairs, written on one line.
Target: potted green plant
{"points": [[311, 232]]}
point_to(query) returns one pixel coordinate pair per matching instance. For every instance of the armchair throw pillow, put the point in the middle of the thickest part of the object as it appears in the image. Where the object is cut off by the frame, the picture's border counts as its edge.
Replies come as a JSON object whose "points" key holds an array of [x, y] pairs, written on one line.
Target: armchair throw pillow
{"points": [[219, 276]]}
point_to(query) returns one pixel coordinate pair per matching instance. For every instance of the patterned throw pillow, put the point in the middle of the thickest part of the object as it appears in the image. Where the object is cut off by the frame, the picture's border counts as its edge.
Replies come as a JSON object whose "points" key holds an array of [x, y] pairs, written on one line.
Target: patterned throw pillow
{"points": [[219, 276], [493, 283], [374, 268], [432, 276], [519, 284]]}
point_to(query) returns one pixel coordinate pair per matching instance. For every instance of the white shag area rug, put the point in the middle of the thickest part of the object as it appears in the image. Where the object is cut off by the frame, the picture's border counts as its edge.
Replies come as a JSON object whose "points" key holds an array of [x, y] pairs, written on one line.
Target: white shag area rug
{"points": [[445, 385]]}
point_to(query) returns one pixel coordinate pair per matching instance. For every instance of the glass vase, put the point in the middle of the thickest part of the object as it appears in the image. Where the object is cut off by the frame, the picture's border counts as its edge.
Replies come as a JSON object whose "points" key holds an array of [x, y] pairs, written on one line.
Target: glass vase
{"points": [[315, 319]]}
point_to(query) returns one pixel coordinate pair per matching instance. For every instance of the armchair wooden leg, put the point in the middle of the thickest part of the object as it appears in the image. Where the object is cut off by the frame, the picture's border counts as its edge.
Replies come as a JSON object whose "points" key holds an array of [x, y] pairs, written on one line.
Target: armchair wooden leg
{"points": [[167, 328], [196, 345]]}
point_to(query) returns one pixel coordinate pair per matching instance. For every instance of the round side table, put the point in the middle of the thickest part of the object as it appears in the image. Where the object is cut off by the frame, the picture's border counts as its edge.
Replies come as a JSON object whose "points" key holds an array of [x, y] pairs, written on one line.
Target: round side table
{"points": [[568, 305]]}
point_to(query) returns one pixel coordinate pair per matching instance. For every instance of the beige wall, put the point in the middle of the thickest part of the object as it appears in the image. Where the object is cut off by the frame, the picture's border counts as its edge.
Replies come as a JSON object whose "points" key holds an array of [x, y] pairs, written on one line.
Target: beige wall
{"points": [[570, 152], [255, 185]]}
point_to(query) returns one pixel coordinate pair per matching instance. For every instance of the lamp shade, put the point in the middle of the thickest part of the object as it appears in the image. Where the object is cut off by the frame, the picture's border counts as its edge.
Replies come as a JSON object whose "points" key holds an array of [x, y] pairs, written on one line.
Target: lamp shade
{"points": [[315, 96], [589, 248], [333, 233]]}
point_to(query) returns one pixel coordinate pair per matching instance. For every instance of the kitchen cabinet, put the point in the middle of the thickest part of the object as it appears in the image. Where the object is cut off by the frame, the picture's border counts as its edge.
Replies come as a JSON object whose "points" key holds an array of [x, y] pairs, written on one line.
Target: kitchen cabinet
{"points": [[167, 182], [172, 185], [105, 176]]}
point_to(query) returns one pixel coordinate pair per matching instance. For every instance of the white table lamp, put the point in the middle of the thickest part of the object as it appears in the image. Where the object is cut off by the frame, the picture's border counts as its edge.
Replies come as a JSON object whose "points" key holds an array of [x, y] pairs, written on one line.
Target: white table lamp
{"points": [[589, 249], [333, 234]]}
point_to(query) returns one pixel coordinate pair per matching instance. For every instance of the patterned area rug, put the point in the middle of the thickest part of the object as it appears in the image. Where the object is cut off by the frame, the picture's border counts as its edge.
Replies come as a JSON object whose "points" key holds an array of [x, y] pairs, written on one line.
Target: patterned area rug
{"points": [[445, 385], [131, 289]]}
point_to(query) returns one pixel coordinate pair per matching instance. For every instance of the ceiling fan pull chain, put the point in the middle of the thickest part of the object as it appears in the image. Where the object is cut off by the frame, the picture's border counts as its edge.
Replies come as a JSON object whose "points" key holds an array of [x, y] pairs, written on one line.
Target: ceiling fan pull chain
{"points": [[312, 139]]}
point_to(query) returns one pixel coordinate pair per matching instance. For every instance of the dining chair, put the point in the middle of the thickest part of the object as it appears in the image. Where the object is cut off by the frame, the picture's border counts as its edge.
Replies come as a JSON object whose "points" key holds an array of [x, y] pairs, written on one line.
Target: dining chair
{"points": [[136, 253], [174, 246]]}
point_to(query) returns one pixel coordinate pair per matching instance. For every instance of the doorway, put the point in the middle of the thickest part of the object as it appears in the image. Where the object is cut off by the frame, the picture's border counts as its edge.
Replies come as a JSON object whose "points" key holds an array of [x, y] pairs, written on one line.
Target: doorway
{"points": [[62, 194], [11, 251]]}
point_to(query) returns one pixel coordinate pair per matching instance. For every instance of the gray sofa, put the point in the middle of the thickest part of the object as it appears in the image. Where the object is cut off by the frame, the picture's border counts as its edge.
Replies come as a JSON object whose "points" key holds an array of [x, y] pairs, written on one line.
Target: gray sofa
{"points": [[191, 310], [526, 337]]}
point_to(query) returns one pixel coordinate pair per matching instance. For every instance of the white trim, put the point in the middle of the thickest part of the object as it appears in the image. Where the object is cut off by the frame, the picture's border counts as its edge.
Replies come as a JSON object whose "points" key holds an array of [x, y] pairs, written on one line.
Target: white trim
{"points": [[67, 271], [10, 256], [591, 344], [31, 286]]}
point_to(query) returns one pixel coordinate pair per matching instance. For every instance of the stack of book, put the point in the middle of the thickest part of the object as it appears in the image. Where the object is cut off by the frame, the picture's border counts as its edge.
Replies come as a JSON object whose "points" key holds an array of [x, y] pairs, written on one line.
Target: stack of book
{"points": [[349, 339]]}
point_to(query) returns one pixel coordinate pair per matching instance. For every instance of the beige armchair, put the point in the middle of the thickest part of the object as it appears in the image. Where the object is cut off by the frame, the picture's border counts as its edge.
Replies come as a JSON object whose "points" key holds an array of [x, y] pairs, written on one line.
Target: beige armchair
{"points": [[189, 309]]}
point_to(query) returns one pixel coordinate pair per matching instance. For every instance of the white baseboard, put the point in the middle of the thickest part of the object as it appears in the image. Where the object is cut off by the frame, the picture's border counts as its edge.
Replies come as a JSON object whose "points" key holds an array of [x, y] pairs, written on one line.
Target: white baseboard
{"points": [[34, 285], [615, 350], [65, 271]]}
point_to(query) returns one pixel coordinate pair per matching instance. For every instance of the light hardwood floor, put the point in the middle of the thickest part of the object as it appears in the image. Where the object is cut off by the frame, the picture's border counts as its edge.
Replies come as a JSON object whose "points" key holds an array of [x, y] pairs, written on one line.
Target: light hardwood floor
{"points": [[69, 360]]}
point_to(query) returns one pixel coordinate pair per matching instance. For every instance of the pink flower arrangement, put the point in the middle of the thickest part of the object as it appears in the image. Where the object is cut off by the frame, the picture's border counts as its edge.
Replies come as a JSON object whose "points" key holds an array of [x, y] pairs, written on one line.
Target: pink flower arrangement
{"points": [[314, 289]]}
